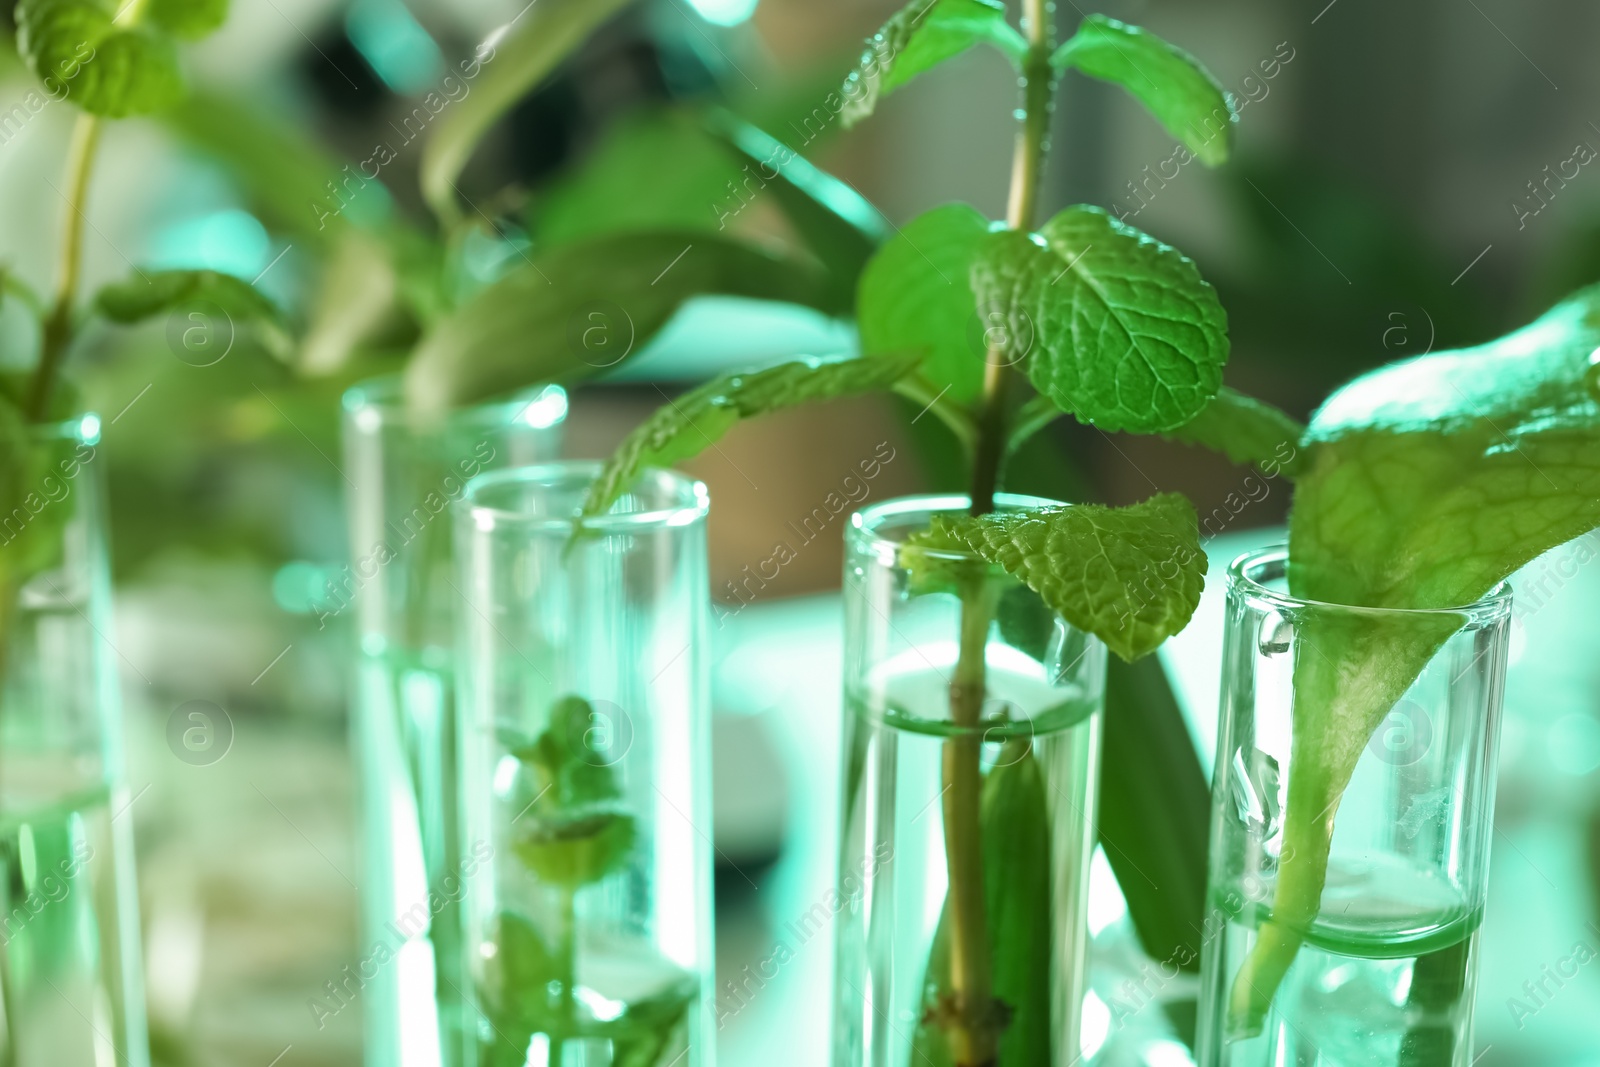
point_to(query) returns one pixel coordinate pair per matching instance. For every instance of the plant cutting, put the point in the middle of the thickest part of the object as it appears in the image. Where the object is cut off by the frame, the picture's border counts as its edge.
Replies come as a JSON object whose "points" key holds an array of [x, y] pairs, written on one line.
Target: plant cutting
{"points": [[71, 977], [1094, 319], [1424, 486], [584, 738]]}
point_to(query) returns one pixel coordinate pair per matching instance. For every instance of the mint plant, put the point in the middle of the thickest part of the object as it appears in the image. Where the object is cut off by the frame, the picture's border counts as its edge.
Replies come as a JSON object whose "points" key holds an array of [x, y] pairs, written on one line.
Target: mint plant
{"points": [[1093, 318], [574, 831], [109, 61]]}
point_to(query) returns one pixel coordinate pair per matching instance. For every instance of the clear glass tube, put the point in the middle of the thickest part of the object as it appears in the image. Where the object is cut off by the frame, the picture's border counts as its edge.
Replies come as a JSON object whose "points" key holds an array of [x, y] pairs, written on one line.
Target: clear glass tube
{"points": [[972, 733], [71, 984], [1383, 974], [585, 773], [403, 473]]}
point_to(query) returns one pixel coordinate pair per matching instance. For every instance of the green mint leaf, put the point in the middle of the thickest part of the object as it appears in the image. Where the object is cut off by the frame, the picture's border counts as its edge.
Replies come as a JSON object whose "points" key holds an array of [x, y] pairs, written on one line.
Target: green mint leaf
{"points": [[583, 308], [1117, 328], [1131, 576], [575, 831], [188, 19], [1432, 481], [1246, 430], [501, 74], [920, 36], [697, 420], [1169, 82], [77, 49], [202, 293], [915, 294]]}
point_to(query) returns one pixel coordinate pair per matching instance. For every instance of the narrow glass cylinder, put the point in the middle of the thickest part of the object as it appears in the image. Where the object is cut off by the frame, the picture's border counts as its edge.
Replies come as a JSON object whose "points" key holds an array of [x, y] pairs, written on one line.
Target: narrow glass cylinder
{"points": [[972, 749], [585, 770], [402, 472], [71, 983], [1384, 972]]}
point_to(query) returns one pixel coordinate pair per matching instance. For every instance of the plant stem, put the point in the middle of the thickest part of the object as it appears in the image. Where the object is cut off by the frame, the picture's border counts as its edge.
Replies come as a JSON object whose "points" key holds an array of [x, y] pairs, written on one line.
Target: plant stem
{"points": [[56, 334], [567, 964], [978, 1021]]}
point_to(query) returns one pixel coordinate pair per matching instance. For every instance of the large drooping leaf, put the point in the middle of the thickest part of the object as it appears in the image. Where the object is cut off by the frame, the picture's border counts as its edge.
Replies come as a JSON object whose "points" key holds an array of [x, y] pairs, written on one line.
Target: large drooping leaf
{"points": [[1169, 82], [1131, 576], [915, 294], [1247, 431], [696, 421], [1117, 328], [104, 67], [1432, 481], [538, 39], [920, 36], [584, 307]]}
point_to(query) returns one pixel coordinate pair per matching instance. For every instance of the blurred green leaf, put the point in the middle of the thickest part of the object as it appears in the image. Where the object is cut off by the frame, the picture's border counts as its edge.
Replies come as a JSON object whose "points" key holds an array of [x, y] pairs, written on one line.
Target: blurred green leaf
{"points": [[1169, 82], [1247, 431], [838, 224], [689, 177], [102, 67], [161, 292], [914, 294], [188, 19], [537, 41], [283, 172], [585, 307], [917, 38]]}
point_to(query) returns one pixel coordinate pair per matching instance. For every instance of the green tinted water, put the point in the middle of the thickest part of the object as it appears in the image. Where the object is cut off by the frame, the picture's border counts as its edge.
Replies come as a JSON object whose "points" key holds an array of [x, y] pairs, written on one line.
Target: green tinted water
{"points": [[1381, 979], [68, 974]]}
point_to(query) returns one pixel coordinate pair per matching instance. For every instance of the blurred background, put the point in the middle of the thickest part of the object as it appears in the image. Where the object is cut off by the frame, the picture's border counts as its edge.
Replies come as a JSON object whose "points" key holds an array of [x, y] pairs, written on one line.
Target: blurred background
{"points": [[1389, 196]]}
